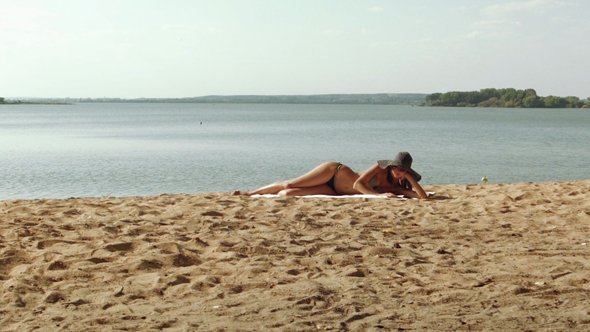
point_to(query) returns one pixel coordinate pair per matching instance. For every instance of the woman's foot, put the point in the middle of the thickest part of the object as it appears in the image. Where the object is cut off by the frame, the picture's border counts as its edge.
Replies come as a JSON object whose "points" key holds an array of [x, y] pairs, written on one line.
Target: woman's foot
{"points": [[240, 193]]}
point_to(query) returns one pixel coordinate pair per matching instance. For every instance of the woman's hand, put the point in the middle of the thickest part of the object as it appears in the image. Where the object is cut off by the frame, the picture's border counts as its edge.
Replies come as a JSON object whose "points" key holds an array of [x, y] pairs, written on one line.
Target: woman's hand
{"points": [[417, 190], [417, 187], [388, 195]]}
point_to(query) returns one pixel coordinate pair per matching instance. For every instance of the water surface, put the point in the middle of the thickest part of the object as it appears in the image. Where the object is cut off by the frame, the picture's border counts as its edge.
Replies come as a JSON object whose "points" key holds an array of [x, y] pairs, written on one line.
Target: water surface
{"points": [[60, 151]]}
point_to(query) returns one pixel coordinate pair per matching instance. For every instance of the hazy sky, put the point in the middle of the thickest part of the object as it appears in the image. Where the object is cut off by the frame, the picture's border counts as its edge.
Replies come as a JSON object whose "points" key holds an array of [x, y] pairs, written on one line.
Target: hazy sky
{"points": [[187, 48]]}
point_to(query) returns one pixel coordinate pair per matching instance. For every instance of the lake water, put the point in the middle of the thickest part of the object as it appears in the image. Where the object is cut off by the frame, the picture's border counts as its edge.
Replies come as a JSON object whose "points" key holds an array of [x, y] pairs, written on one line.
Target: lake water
{"points": [[60, 151]]}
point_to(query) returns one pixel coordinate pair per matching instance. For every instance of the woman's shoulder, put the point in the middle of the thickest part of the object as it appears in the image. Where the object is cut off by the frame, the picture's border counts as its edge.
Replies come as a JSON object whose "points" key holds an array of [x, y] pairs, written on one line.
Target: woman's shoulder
{"points": [[373, 170]]}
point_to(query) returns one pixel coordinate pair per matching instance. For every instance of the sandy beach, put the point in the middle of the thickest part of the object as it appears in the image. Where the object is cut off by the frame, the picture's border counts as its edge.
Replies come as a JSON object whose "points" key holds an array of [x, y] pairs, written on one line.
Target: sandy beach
{"points": [[493, 257]]}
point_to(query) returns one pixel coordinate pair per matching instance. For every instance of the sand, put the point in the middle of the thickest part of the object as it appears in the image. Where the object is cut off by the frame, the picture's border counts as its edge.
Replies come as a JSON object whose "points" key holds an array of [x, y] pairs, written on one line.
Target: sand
{"points": [[493, 257]]}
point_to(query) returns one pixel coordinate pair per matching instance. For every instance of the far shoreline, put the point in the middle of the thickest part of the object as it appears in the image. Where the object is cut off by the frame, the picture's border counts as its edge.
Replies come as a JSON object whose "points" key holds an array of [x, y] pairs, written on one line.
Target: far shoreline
{"points": [[34, 103]]}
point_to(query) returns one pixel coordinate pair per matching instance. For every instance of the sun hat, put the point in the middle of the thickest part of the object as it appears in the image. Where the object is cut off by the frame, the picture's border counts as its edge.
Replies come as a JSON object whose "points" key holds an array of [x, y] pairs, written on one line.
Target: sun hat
{"points": [[403, 160]]}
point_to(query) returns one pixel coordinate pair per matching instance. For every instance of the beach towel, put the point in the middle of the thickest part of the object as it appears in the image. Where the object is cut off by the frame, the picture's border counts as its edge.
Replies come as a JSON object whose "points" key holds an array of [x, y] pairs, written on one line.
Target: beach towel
{"points": [[399, 197]]}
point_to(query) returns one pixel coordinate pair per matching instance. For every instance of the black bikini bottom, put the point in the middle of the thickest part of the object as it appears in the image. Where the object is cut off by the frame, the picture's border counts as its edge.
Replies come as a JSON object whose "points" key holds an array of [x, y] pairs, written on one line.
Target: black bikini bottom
{"points": [[332, 182]]}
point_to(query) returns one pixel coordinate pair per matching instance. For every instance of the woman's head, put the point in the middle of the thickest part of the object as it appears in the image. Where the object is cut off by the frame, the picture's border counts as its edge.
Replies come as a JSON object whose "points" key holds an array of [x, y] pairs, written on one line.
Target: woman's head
{"points": [[401, 163], [398, 172]]}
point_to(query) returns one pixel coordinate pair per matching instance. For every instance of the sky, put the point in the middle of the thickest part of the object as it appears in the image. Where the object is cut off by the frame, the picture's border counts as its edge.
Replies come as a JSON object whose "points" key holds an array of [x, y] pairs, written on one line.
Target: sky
{"points": [[191, 48]]}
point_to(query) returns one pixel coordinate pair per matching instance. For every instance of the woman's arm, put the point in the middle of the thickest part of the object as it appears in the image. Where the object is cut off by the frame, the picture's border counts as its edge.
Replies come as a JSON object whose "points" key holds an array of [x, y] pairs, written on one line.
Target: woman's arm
{"points": [[419, 191], [362, 183]]}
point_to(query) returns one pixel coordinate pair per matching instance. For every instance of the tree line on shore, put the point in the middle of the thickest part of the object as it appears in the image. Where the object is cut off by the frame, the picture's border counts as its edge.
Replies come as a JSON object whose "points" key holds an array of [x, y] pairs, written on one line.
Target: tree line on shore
{"points": [[503, 98], [4, 101], [377, 98], [483, 98]]}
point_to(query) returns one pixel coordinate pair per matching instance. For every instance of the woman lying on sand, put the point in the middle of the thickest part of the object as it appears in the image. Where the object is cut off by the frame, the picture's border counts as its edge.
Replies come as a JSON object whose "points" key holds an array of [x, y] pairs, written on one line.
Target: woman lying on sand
{"points": [[386, 178]]}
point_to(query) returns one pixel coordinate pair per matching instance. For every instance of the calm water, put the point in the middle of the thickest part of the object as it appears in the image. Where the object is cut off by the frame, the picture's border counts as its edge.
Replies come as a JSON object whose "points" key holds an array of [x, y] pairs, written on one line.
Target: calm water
{"points": [[49, 151]]}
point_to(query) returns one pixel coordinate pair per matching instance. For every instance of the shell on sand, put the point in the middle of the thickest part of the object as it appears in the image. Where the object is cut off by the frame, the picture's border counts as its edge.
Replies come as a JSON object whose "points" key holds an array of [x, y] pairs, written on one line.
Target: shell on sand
{"points": [[477, 257]]}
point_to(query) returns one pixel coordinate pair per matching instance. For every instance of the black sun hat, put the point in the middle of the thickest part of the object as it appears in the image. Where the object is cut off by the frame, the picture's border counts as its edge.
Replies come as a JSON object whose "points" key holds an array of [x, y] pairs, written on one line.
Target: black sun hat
{"points": [[403, 160]]}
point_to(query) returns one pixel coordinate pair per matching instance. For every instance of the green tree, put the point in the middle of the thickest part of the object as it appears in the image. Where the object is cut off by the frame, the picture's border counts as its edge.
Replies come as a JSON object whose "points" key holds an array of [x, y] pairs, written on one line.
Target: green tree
{"points": [[509, 97], [508, 94], [532, 102], [555, 102], [489, 93], [1, 100], [492, 102], [574, 102], [530, 93], [433, 99], [474, 98], [450, 98]]}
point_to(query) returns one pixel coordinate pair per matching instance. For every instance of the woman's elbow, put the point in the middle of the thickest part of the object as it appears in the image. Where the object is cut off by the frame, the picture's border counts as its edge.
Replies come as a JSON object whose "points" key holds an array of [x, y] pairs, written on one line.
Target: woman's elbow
{"points": [[357, 185]]}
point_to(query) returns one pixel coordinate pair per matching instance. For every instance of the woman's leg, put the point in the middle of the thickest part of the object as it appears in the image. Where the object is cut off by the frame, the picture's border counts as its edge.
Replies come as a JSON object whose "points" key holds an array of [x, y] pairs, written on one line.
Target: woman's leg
{"points": [[272, 188], [316, 177]]}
